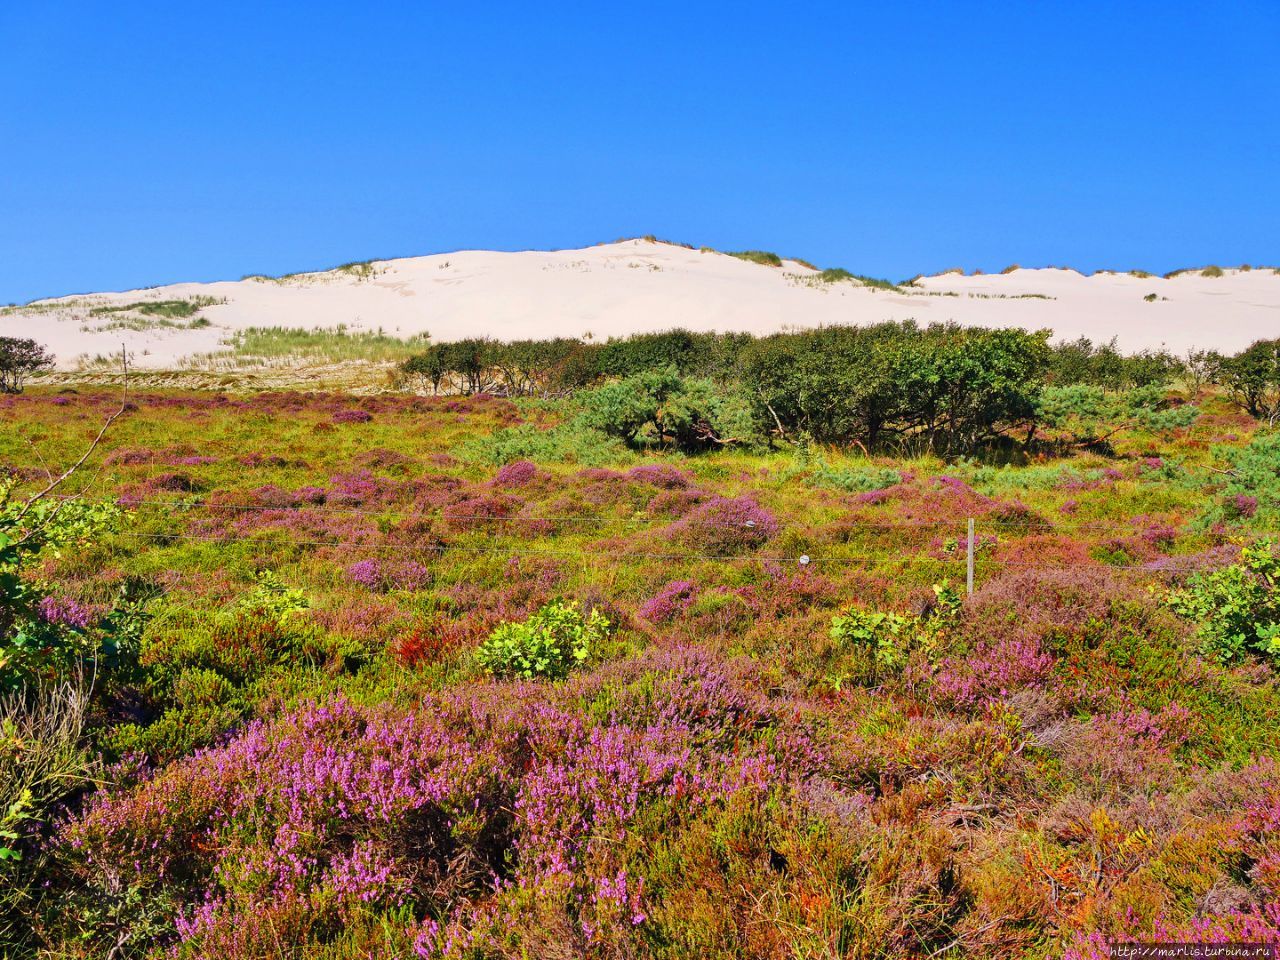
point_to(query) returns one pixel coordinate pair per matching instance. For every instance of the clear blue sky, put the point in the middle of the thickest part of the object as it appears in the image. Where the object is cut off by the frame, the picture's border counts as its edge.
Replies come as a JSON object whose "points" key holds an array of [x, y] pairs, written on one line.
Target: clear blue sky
{"points": [[144, 143]]}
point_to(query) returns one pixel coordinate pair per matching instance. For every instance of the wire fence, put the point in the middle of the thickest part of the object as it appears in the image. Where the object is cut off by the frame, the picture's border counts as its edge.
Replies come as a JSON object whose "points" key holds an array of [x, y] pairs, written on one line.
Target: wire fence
{"points": [[1034, 524], [967, 555]]}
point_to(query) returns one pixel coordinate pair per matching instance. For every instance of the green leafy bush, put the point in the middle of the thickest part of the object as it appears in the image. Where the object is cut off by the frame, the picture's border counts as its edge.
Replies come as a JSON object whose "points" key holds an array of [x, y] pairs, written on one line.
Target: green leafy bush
{"points": [[554, 640], [879, 637], [662, 407], [948, 388], [1237, 608], [31, 641], [1088, 414], [1103, 365]]}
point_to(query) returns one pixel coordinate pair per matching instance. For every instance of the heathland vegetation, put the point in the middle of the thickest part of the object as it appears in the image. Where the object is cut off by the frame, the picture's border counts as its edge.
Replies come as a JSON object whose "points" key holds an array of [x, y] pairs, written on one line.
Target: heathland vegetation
{"points": [[657, 647]]}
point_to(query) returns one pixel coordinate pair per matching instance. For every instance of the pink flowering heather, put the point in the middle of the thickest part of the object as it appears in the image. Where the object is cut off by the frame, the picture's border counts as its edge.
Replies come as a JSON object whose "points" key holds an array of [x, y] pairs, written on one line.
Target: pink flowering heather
{"points": [[362, 488], [352, 416], [480, 512], [384, 575], [669, 602], [660, 475], [873, 498], [129, 456], [516, 474], [993, 671], [367, 573], [725, 525], [378, 806], [66, 612], [1252, 924]]}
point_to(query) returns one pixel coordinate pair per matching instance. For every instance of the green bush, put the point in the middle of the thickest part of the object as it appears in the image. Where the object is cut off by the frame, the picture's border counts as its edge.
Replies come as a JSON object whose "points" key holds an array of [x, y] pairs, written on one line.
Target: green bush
{"points": [[1254, 471], [554, 640], [1088, 414], [1237, 608], [662, 407], [1084, 362], [880, 638], [573, 442], [855, 479], [31, 644], [953, 389]]}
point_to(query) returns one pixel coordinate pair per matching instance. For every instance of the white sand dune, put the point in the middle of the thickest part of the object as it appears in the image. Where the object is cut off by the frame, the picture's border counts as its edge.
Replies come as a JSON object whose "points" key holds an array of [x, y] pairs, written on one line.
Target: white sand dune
{"points": [[637, 285]]}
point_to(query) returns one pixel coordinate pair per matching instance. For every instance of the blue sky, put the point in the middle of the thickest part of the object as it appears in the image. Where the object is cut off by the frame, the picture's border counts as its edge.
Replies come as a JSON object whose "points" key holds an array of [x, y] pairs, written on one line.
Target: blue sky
{"points": [[147, 143]]}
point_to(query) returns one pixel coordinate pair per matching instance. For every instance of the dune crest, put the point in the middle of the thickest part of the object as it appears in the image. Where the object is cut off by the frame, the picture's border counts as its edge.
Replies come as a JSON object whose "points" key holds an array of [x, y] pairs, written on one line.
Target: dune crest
{"points": [[633, 286]]}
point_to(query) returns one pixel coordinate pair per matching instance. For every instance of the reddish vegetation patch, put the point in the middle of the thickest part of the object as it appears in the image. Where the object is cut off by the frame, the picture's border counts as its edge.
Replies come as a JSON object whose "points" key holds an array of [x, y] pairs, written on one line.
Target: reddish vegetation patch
{"points": [[481, 512], [1042, 549], [430, 643]]}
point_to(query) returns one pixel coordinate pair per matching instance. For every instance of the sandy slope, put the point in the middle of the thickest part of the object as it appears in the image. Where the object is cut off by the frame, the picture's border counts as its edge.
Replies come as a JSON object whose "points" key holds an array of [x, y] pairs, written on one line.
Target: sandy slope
{"points": [[632, 286]]}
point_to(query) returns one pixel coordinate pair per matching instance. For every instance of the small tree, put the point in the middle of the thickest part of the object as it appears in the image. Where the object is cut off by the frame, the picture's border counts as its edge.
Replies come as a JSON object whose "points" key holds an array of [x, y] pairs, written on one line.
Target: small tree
{"points": [[1253, 379], [429, 367], [470, 361], [19, 358], [1201, 367]]}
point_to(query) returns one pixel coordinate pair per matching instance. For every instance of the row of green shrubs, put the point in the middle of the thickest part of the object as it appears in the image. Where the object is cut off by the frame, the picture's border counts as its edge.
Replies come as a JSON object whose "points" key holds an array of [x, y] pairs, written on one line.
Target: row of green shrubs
{"points": [[941, 388]]}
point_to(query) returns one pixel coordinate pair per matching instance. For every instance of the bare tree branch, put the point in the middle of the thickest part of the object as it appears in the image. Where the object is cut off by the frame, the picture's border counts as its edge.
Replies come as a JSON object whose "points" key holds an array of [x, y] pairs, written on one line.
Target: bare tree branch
{"points": [[56, 482]]}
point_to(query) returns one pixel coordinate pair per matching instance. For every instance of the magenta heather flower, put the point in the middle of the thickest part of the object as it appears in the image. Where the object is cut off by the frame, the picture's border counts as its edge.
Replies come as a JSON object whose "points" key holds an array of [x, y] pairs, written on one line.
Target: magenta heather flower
{"points": [[361, 487], [669, 602], [409, 575], [313, 495], [660, 475], [379, 806], [993, 671], [872, 498], [367, 573], [724, 525], [352, 416], [389, 575], [65, 612], [368, 875], [516, 474]]}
